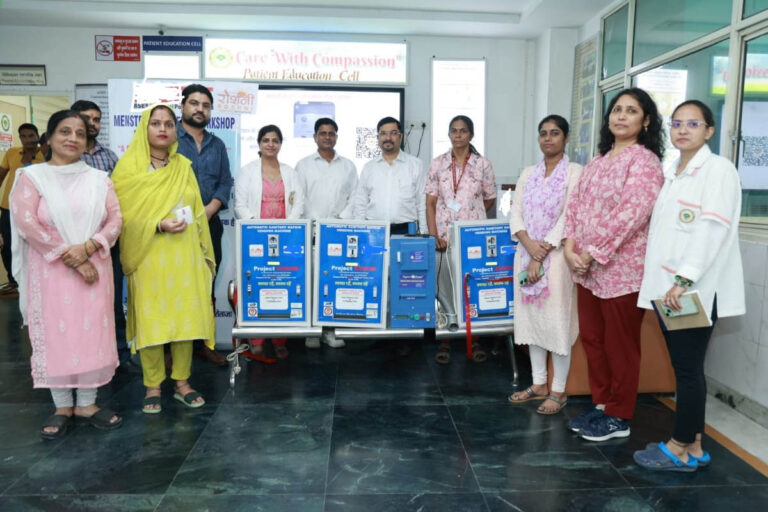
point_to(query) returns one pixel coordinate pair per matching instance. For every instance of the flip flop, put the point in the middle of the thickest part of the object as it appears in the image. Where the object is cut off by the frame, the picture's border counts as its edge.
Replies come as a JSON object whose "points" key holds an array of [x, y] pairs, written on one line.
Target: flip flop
{"points": [[561, 401], [531, 396], [148, 403], [657, 457], [101, 420], [62, 422], [189, 399]]}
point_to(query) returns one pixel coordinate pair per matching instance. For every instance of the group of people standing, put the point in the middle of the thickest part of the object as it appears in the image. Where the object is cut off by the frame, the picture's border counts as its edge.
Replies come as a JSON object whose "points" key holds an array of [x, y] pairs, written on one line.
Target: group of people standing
{"points": [[596, 244], [600, 243]]}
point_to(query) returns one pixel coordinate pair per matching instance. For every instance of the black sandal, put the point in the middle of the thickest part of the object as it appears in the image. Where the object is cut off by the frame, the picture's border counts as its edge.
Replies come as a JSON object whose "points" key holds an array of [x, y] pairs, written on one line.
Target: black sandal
{"points": [[443, 355], [102, 419], [62, 422], [478, 354]]}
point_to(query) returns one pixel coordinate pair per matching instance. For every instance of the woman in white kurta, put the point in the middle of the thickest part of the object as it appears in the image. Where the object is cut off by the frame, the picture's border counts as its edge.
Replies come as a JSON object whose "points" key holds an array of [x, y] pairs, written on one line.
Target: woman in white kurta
{"points": [[65, 217], [693, 244], [268, 189], [545, 308]]}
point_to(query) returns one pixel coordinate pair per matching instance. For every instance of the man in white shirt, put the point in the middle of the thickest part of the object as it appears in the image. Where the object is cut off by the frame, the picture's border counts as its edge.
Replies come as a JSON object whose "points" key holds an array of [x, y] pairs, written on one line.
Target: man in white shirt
{"points": [[327, 178], [391, 186], [328, 181]]}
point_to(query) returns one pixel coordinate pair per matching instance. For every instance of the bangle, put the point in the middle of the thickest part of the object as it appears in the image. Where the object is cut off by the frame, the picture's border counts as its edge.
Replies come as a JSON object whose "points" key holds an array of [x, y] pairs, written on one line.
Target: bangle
{"points": [[85, 248], [683, 282], [159, 228]]}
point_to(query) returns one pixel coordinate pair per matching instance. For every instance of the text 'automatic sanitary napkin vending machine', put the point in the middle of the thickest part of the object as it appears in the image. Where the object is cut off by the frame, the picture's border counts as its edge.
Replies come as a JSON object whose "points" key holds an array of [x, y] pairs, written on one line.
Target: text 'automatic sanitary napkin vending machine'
{"points": [[350, 277], [485, 251], [273, 266], [412, 282]]}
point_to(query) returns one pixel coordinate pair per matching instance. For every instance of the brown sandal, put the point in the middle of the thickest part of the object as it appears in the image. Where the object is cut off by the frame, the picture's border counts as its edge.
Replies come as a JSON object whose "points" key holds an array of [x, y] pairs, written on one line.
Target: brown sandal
{"points": [[443, 355], [531, 396], [559, 400]]}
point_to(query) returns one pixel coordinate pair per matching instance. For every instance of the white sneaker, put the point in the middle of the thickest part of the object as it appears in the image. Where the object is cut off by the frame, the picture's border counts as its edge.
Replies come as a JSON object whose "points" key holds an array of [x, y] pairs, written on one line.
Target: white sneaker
{"points": [[332, 341], [312, 343]]}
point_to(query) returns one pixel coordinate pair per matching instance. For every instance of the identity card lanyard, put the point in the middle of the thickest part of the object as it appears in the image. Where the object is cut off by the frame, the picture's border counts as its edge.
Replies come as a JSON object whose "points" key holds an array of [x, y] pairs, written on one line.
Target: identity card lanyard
{"points": [[453, 171]]}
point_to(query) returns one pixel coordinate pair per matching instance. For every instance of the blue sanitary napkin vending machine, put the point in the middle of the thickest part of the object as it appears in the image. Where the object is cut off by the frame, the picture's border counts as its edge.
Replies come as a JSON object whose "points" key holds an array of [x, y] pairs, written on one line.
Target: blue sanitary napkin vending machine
{"points": [[484, 249], [273, 265], [351, 266], [412, 282]]}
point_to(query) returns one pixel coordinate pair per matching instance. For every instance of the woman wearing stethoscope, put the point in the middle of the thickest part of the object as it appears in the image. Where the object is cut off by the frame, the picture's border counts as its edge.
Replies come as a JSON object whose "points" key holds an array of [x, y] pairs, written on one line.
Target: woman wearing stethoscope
{"points": [[460, 186], [693, 244]]}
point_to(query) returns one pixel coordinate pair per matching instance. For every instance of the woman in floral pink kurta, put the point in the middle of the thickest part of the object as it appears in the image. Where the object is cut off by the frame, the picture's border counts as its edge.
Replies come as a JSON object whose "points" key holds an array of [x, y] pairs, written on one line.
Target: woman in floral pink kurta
{"points": [[65, 218], [461, 185], [606, 232]]}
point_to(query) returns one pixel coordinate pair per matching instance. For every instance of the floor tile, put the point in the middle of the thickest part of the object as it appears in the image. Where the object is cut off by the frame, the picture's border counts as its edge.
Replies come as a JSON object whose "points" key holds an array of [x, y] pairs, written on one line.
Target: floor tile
{"points": [[142, 457], [514, 448], [259, 449], [592, 500], [243, 503], [707, 499], [83, 503], [397, 449], [470, 502]]}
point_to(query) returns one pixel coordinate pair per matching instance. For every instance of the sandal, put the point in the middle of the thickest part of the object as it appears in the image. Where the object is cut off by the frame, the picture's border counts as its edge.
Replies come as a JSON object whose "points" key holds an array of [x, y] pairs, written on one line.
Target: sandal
{"points": [[150, 401], [478, 354], [102, 419], [657, 457], [443, 355], [189, 398], [703, 461], [61, 422], [559, 400], [531, 396]]}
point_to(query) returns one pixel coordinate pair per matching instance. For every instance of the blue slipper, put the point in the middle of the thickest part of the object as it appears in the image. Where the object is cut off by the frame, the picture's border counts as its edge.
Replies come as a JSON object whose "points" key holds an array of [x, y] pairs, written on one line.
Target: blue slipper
{"points": [[657, 457], [704, 460]]}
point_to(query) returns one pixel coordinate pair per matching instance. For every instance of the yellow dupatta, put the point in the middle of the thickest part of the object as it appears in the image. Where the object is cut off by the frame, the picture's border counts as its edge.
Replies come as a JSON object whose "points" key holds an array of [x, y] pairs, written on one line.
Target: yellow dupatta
{"points": [[146, 198]]}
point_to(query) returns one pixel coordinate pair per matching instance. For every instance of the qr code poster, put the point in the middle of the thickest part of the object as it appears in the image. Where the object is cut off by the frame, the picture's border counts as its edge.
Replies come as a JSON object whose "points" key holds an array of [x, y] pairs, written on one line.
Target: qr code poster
{"points": [[756, 151], [367, 143]]}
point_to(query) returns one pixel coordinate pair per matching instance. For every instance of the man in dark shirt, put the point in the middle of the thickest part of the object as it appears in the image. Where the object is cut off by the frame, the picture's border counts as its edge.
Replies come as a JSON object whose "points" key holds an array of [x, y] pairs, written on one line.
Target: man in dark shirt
{"points": [[211, 165]]}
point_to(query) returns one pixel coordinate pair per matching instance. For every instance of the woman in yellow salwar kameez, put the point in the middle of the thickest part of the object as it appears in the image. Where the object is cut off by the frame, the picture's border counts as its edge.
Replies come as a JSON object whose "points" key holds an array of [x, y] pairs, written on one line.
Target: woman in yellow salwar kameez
{"points": [[166, 254]]}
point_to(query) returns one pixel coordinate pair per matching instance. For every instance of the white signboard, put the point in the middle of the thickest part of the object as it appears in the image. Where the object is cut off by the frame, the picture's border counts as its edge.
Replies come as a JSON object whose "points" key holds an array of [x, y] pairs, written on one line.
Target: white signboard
{"points": [[309, 62]]}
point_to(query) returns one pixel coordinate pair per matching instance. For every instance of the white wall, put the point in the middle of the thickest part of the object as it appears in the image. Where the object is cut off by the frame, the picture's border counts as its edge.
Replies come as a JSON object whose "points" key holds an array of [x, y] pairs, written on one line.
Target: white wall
{"points": [[68, 54]]}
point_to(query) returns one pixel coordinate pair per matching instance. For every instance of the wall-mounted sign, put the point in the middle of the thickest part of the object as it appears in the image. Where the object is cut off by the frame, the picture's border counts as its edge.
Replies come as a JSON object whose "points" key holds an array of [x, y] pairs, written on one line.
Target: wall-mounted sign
{"points": [[22, 74], [321, 62], [172, 44], [6, 136], [117, 48]]}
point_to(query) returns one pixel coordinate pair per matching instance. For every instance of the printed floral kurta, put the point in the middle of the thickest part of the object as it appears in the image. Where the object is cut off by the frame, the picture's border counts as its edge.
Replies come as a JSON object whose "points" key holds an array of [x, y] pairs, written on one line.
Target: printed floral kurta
{"points": [[477, 183], [608, 216], [71, 323]]}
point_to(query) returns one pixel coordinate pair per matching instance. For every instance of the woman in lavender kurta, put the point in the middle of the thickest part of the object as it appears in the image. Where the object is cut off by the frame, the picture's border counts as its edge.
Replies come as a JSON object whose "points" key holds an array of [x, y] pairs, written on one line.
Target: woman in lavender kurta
{"points": [[460, 186], [545, 308], [65, 218]]}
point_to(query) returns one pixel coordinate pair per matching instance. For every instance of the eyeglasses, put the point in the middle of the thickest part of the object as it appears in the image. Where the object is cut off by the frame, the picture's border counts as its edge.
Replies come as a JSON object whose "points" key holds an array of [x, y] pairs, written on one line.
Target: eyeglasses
{"points": [[691, 125], [393, 133]]}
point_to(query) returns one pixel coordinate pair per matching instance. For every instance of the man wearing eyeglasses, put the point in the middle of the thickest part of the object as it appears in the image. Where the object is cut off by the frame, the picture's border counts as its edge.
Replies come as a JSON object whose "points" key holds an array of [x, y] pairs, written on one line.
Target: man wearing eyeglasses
{"points": [[328, 181], [392, 185], [211, 165]]}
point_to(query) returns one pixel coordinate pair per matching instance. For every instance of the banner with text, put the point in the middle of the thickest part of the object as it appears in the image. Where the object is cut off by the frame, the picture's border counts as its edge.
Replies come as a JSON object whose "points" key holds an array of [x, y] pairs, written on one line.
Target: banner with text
{"points": [[319, 62]]}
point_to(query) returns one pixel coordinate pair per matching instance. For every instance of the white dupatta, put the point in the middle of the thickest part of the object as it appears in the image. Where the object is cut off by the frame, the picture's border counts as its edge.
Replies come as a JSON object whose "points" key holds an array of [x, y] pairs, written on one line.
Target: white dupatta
{"points": [[58, 184]]}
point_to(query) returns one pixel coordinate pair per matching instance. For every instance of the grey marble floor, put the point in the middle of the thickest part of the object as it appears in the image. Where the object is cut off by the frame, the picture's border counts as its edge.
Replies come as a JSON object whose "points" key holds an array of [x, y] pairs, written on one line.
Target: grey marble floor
{"points": [[361, 428]]}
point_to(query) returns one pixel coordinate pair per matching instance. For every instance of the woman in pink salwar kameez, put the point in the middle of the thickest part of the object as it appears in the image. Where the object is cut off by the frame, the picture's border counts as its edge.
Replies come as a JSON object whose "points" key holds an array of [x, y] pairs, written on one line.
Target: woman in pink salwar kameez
{"points": [[65, 217]]}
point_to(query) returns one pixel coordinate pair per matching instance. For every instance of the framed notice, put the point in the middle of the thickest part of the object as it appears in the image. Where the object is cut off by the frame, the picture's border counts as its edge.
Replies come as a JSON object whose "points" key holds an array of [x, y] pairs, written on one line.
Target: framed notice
{"points": [[22, 74], [273, 265], [583, 101], [351, 269]]}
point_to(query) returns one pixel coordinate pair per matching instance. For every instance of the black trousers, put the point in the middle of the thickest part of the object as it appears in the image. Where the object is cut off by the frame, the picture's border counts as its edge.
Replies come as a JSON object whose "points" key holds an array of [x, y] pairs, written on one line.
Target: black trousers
{"points": [[687, 349], [217, 231], [5, 231], [123, 352]]}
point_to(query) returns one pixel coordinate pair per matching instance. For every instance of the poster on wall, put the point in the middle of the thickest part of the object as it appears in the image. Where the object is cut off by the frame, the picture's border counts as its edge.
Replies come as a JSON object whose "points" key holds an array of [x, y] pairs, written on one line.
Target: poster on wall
{"points": [[753, 150], [583, 101], [6, 135], [231, 100]]}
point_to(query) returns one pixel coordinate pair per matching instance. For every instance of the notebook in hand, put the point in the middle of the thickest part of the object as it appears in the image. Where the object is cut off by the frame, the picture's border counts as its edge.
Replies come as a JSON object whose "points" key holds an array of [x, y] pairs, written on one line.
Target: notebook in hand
{"points": [[693, 314]]}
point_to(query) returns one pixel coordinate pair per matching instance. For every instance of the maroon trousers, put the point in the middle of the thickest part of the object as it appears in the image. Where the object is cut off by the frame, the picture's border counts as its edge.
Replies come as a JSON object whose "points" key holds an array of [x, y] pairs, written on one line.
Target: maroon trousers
{"points": [[610, 334]]}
